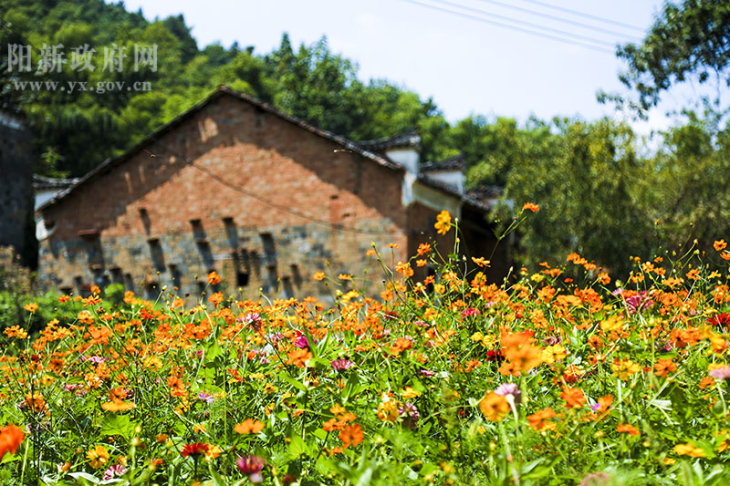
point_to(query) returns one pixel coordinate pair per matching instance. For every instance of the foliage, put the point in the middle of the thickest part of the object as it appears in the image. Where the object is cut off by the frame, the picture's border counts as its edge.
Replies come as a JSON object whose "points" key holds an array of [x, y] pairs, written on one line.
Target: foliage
{"points": [[688, 40], [541, 379]]}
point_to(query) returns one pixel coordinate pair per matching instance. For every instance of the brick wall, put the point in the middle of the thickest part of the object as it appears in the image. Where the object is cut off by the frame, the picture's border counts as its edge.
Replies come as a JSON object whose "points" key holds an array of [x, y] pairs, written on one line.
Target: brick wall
{"points": [[232, 188]]}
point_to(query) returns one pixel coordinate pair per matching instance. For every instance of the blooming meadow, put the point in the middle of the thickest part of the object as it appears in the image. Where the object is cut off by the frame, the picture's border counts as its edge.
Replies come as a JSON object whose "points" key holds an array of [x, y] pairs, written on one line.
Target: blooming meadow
{"points": [[562, 376]]}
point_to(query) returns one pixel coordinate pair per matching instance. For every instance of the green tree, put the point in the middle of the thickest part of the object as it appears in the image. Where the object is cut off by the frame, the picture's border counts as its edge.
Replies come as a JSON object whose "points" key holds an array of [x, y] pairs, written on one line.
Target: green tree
{"points": [[690, 177], [689, 40], [586, 178]]}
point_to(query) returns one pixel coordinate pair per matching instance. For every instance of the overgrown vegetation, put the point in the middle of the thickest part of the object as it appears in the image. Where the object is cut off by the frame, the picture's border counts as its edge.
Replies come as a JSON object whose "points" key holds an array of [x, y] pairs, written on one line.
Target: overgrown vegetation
{"points": [[542, 379]]}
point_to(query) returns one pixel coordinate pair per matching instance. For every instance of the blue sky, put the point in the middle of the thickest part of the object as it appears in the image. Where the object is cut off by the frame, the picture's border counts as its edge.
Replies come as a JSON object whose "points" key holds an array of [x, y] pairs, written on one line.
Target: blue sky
{"points": [[467, 66]]}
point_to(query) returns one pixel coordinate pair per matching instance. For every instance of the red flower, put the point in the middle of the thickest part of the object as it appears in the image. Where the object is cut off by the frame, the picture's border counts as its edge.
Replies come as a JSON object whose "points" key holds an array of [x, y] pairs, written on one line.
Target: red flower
{"points": [[495, 356], [720, 320], [195, 449]]}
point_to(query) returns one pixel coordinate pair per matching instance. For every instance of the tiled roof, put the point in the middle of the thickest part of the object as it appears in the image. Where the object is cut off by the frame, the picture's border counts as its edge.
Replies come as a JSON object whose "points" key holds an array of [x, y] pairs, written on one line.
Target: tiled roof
{"points": [[458, 162], [409, 139], [40, 182], [485, 195]]}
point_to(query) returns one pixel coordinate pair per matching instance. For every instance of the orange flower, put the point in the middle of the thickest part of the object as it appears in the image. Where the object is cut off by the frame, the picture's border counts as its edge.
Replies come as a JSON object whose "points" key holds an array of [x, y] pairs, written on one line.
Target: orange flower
{"points": [[35, 402], [11, 437], [531, 207], [405, 269], [725, 255], [574, 397], [494, 407], [604, 404], [421, 262], [318, 276], [214, 278], [85, 317], [481, 261], [627, 429], [249, 426], [423, 248], [216, 298], [299, 357], [664, 366], [344, 276], [351, 435], [32, 307], [443, 222], [538, 419], [520, 352], [720, 245]]}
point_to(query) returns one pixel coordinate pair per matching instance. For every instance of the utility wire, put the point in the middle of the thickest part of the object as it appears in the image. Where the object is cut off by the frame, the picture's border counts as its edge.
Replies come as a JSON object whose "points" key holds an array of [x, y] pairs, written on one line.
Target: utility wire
{"points": [[588, 16], [528, 24], [562, 19], [512, 27]]}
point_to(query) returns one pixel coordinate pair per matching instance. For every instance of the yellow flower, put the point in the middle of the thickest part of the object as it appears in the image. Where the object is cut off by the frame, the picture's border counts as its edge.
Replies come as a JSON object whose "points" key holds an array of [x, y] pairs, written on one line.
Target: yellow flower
{"points": [[623, 369], [213, 452], [98, 457], [16, 331], [551, 354], [319, 276], [410, 393], [688, 449], [443, 222], [388, 410], [613, 323]]}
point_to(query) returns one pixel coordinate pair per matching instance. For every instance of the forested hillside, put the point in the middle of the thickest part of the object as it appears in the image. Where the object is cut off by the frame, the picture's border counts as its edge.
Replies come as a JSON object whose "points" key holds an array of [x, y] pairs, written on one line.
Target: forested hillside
{"points": [[598, 190]]}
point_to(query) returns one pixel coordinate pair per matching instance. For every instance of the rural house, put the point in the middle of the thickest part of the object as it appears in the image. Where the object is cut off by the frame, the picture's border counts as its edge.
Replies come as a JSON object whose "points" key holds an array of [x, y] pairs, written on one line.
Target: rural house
{"points": [[264, 199]]}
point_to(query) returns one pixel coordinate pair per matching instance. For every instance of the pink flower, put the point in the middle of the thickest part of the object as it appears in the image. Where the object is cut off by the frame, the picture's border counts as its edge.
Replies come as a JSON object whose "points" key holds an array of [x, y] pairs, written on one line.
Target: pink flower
{"points": [[251, 466], [721, 373], [342, 364], [639, 302], [116, 470], [509, 389], [469, 312]]}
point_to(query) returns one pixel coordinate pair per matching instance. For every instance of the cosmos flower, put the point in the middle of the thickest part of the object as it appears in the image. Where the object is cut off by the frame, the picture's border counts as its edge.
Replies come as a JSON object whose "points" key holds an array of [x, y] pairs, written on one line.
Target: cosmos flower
{"points": [[251, 466], [194, 449], [342, 364]]}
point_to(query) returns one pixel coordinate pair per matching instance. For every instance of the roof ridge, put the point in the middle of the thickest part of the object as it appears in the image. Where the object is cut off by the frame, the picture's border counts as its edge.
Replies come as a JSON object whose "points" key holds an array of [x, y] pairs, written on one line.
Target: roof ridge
{"points": [[112, 162]]}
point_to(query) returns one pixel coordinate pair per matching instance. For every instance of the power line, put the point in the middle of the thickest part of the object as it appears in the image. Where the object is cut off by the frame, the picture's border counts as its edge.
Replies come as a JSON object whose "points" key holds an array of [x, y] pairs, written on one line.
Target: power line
{"points": [[560, 19], [513, 27], [529, 24], [588, 16]]}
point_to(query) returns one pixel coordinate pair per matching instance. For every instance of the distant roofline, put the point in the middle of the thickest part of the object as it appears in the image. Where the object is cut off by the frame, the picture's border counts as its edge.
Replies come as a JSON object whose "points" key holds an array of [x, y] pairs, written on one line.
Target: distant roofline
{"points": [[409, 139], [455, 163]]}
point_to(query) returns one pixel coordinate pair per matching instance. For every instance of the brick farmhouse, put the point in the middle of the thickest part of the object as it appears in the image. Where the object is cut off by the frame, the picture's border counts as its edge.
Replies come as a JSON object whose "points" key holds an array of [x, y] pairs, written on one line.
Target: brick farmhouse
{"points": [[264, 199]]}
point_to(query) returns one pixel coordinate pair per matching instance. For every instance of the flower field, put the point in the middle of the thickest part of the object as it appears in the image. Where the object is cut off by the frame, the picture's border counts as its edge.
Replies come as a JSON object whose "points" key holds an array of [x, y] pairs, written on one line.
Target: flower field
{"points": [[561, 376]]}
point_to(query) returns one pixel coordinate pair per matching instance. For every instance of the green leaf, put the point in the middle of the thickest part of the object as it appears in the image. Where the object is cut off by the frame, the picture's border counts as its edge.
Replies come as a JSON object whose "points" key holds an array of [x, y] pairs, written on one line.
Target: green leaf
{"points": [[117, 425], [297, 446], [292, 381]]}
